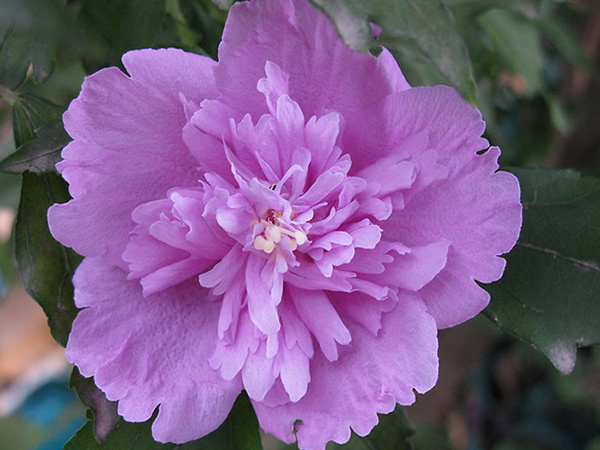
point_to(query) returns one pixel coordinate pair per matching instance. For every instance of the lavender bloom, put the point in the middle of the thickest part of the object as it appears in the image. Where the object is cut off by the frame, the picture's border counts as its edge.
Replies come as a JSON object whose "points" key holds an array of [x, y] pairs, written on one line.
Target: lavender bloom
{"points": [[294, 220]]}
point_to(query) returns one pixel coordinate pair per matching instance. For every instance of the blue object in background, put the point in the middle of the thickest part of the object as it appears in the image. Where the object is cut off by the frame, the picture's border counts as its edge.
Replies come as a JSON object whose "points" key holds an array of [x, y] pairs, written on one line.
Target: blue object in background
{"points": [[53, 413]]}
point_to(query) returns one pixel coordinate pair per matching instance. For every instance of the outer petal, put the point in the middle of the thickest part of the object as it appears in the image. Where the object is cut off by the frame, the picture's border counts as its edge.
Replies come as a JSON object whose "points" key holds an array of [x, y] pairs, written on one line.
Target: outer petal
{"points": [[452, 126], [363, 309], [453, 296], [322, 70], [415, 269], [369, 379], [129, 344], [478, 211], [131, 128]]}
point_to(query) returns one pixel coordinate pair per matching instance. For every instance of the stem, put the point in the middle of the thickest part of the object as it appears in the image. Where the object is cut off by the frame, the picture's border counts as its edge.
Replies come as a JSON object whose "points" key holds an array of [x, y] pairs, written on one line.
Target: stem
{"points": [[8, 95]]}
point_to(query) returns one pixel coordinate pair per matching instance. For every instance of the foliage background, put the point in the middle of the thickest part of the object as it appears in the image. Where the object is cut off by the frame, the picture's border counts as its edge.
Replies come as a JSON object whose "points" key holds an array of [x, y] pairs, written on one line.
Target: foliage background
{"points": [[531, 67]]}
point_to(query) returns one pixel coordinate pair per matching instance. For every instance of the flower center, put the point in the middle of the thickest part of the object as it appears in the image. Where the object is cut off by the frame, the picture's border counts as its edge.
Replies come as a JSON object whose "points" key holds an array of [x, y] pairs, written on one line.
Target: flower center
{"points": [[275, 231]]}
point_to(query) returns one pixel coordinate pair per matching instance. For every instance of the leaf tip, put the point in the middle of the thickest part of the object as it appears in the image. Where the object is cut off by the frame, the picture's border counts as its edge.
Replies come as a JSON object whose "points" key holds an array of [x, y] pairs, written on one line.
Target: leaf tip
{"points": [[563, 355]]}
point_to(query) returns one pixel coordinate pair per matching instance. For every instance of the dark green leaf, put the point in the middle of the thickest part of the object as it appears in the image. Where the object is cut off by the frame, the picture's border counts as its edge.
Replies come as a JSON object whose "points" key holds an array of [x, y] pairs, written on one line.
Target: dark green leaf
{"points": [[124, 24], [424, 27], [40, 154], [392, 433], [46, 267], [243, 426], [30, 112], [238, 432], [550, 293], [105, 411]]}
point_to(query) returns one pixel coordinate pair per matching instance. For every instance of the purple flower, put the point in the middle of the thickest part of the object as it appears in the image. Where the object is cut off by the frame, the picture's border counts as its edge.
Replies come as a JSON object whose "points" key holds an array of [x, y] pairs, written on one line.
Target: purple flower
{"points": [[294, 220]]}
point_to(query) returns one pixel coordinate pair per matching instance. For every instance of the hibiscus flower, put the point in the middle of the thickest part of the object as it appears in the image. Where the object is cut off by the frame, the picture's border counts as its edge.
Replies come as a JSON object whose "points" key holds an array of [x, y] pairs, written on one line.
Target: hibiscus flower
{"points": [[294, 221]]}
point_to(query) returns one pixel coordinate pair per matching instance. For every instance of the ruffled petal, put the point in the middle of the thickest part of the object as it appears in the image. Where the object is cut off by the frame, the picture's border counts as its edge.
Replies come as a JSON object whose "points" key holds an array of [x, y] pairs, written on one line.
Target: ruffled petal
{"points": [[322, 69], [261, 306], [478, 211], [129, 344], [131, 129], [321, 318], [371, 378], [363, 309], [444, 120], [416, 268], [453, 296]]}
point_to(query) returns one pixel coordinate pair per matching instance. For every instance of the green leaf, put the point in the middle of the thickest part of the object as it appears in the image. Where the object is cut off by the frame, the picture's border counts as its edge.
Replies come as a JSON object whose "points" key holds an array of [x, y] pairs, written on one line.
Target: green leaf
{"points": [[223, 4], [566, 44], [209, 21], [424, 27], [549, 295], [18, 50], [238, 432], [46, 267], [520, 49], [467, 9], [560, 116], [126, 435], [30, 112], [39, 27], [392, 432], [40, 154], [14, 59], [124, 24], [9, 190], [105, 411]]}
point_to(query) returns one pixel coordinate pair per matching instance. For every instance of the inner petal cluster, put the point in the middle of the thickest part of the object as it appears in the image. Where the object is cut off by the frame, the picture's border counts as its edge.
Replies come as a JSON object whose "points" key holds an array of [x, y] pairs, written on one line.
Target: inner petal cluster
{"points": [[280, 238]]}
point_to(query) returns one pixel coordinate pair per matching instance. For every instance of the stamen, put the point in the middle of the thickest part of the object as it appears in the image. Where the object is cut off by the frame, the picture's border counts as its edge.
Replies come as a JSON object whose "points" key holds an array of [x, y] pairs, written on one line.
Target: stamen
{"points": [[293, 244], [274, 230], [299, 237], [260, 243]]}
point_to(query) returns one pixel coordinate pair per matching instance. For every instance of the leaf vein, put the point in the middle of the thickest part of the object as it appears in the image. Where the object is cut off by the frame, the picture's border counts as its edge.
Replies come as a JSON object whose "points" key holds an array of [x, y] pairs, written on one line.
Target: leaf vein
{"points": [[587, 264]]}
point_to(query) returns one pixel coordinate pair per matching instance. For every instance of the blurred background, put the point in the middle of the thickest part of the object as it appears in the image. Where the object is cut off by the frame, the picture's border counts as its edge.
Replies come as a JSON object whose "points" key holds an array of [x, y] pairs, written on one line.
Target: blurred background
{"points": [[536, 66]]}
